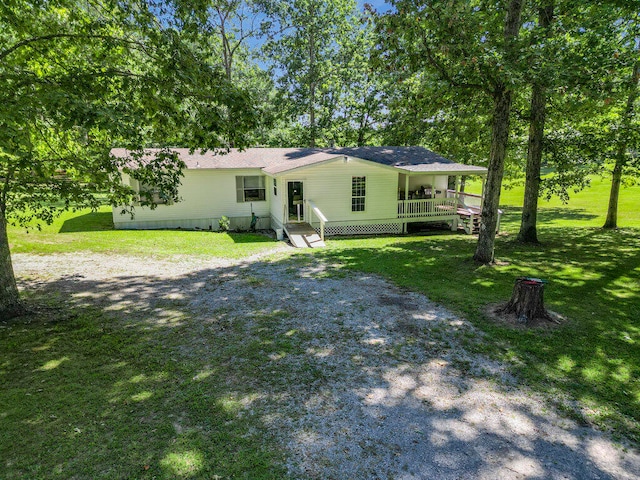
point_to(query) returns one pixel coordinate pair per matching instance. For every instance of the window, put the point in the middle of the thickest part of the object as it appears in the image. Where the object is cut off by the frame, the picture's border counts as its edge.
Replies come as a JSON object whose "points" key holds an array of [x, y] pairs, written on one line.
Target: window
{"points": [[250, 189], [275, 188], [357, 193], [151, 194]]}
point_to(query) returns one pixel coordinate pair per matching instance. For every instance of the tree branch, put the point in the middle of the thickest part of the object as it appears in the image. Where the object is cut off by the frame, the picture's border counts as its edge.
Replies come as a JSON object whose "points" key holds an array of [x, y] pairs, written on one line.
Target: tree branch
{"points": [[445, 74], [44, 38]]}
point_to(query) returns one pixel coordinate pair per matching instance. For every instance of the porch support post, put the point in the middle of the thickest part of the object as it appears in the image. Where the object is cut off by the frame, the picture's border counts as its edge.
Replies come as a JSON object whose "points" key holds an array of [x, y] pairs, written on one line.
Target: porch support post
{"points": [[406, 187], [457, 194], [433, 186], [456, 197], [482, 193]]}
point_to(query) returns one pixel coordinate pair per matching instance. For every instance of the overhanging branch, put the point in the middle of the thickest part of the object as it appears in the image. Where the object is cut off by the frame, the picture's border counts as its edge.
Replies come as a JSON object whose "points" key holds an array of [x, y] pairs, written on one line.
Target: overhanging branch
{"points": [[53, 36]]}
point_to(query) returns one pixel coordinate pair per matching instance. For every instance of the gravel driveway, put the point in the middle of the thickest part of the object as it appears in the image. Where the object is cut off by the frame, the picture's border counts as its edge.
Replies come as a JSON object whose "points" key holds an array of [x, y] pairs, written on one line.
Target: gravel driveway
{"points": [[395, 393]]}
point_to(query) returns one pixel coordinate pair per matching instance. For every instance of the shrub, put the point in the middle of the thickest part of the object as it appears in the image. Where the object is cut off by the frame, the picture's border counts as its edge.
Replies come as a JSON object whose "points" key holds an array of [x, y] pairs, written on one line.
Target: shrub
{"points": [[224, 223]]}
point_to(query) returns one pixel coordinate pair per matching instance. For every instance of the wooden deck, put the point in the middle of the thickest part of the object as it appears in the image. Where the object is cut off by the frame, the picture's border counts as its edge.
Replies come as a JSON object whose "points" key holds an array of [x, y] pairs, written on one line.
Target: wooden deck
{"points": [[303, 235], [449, 208]]}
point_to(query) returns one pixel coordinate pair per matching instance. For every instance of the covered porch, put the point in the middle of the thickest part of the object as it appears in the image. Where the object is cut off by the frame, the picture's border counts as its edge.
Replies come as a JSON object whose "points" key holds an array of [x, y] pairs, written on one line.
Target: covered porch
{"points": [[429, 197]]}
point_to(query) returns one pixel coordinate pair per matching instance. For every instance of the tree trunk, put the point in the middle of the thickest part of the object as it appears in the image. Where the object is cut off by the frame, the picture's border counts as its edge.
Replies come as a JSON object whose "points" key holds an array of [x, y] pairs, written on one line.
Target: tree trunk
{"points": [[528, 232], [621, 154], [499, 139], [614, 194], [527, 301], [9, 301]]}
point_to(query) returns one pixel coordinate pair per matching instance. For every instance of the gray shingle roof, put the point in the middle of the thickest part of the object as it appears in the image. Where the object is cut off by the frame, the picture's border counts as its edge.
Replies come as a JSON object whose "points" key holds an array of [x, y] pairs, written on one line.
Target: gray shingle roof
{"points": [[278, 160]]}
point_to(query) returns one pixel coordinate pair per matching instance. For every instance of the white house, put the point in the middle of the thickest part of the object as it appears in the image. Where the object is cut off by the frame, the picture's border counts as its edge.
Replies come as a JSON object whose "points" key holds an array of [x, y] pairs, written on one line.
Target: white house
{"points": [[336, 190]]}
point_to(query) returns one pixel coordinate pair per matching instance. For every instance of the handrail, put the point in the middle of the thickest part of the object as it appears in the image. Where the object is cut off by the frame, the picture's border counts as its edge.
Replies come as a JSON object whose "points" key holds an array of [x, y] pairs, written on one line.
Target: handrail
{"points": [[312, 208], [475, 195]]}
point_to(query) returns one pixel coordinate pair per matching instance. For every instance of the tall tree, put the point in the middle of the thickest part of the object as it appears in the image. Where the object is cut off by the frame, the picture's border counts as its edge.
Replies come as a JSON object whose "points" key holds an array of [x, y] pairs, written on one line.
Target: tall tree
{"points": [[627, 131], [528, 226], [502, 97], [594, 126], [304, 45], [361, 111], [80, 77], [577, 63], [474, 48], [232, 32]]}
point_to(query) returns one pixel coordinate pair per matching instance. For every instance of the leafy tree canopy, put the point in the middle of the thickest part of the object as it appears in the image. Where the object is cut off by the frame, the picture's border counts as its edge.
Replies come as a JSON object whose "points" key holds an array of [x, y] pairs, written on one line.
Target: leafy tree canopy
{"points": [[82, 76]]}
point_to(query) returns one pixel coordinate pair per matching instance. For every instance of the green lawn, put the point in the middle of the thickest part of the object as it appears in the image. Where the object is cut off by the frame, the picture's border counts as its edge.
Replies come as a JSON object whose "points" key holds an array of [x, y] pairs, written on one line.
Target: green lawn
{"points": [[93, 231], [587, 208], [90, 397]]}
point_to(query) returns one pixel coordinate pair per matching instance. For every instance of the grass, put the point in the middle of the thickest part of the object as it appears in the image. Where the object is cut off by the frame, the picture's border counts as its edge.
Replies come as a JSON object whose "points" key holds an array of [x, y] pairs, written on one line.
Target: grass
{"points": [[587, 208], [90, 394], [94, 396], [93, 231]]}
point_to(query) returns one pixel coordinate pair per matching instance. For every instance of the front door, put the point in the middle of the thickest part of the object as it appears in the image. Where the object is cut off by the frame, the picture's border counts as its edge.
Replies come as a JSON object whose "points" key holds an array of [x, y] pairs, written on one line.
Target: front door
{"points": [[295, 201]]}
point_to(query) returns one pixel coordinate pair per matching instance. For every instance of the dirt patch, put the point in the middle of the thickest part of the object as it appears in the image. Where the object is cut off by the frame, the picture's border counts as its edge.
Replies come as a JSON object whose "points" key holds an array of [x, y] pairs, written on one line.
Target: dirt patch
{"points": [[507, 319], [401, 301]]}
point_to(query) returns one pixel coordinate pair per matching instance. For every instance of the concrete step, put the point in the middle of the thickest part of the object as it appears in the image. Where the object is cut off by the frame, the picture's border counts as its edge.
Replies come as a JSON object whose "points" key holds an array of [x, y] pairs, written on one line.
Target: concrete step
{"points": [[314, 241], [297, 241], [303, 235]]}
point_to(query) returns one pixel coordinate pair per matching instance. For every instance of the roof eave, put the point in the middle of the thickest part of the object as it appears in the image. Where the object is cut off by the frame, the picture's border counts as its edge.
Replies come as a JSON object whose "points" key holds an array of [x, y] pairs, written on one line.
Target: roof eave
{"points": [[279, 171], [481, 172]]}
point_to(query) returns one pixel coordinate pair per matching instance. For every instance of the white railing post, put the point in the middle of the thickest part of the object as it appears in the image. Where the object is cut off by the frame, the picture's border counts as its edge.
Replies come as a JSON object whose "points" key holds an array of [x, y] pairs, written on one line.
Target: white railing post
{"points": [[321, 218]]}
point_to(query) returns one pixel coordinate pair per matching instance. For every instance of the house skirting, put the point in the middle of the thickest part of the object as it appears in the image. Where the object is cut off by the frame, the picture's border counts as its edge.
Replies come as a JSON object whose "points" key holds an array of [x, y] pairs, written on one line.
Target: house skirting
{"points": [[381, 227], [235, 223], [362, 229], [371, 227]]}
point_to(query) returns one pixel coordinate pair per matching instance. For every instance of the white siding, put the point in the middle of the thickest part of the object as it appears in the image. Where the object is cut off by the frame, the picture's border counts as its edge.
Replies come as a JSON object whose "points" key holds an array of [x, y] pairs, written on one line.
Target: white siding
{"points": [[206, 195], [328, 185], [277, 201]]}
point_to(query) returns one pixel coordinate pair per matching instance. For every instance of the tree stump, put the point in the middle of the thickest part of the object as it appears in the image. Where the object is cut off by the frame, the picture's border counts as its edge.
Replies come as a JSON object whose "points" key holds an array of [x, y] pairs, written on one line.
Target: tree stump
{"points": [[527, 301]]}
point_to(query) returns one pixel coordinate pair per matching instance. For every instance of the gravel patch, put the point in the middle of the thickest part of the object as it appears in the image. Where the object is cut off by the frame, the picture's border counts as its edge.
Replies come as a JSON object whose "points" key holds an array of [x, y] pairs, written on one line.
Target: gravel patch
{"points": [[381, 385]]}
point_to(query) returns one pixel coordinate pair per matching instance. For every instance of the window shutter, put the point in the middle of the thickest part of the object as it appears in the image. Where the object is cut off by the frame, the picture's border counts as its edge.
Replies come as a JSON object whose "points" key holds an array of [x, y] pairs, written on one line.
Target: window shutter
{"points": [[239, 190]]}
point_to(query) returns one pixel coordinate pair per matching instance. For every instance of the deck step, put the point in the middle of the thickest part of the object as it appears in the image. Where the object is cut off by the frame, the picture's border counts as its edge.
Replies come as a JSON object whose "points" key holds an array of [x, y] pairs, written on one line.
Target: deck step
{"points": [[466, 215], [303, 235]]}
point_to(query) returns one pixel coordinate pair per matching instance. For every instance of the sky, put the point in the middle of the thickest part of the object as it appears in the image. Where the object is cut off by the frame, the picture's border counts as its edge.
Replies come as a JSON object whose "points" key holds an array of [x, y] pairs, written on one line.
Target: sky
{"points": [[379, 5]]}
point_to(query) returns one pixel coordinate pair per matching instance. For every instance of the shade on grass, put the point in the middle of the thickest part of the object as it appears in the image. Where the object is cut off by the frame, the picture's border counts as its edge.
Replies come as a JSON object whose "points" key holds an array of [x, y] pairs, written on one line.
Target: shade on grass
{"points": [[593, 275], [93, 231]]}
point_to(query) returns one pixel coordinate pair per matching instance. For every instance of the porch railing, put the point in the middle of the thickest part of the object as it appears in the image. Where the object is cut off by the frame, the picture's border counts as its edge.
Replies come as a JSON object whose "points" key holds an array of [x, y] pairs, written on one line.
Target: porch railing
{"points": [[430, 207], [312, 210], [466, 199]]}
